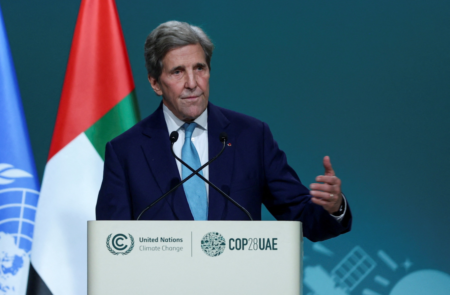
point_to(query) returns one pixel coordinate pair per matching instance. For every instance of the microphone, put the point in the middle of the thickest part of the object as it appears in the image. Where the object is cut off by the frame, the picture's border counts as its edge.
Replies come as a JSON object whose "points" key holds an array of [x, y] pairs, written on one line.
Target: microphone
{"points": [[223, 138], [173, 138]]}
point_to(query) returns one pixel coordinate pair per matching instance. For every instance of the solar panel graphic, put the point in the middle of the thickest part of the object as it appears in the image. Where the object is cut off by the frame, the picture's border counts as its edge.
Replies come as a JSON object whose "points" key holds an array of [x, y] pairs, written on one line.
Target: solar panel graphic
{"points": [[353, 269]]}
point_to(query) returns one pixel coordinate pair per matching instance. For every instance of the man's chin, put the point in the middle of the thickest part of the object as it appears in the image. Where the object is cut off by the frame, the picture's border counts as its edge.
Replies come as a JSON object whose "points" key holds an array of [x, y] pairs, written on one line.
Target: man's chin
{"points": [[191, 115]]}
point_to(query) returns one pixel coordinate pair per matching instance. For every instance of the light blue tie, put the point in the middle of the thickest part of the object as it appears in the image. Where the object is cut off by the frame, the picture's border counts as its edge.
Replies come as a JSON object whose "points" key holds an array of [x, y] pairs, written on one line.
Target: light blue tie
{"points": [[195, 187]]}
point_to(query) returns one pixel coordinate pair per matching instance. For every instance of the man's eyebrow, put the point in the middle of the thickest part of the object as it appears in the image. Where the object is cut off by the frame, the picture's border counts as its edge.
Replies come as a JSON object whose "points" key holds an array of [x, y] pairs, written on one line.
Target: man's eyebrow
{"points": [[176, 68], [199, 64]]}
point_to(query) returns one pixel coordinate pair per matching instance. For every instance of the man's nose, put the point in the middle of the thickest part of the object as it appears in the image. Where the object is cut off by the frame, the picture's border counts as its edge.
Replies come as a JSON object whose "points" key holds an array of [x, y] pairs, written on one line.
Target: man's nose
{"points": [[191, 80]]}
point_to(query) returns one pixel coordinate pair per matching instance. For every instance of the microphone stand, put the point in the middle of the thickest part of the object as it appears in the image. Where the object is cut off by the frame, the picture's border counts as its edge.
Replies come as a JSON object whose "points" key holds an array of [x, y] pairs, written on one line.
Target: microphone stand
{"points": [[196, 172], [184, 180]]}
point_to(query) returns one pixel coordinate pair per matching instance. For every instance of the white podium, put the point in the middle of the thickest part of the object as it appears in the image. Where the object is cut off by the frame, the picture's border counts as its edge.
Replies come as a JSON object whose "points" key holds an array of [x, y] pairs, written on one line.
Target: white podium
{"points": [[195, 257]]}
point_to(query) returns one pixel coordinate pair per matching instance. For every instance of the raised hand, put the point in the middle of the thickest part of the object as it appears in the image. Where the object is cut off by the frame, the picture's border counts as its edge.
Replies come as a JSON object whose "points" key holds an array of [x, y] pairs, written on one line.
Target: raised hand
{"points": [[327, 192]]}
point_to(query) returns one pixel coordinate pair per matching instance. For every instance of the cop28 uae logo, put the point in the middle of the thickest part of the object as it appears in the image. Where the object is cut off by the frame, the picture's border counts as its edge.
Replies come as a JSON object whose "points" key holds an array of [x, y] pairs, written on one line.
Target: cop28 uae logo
{"points": [[120, 244], [213, 244]]}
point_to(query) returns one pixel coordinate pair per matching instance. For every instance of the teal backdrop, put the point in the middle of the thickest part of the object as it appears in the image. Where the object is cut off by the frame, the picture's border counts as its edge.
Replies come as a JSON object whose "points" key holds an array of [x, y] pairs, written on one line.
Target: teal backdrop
{"points": [[365, 82]]}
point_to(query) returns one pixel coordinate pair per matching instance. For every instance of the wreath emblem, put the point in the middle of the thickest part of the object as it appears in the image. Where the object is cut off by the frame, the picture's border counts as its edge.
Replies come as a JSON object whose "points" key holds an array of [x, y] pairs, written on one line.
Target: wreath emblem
{"points": [[117, 246]]}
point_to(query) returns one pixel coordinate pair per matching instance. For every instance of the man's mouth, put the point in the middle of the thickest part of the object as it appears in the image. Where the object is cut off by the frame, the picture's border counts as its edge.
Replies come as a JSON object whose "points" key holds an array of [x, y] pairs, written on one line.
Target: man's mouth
{"points": [[191, 97]]}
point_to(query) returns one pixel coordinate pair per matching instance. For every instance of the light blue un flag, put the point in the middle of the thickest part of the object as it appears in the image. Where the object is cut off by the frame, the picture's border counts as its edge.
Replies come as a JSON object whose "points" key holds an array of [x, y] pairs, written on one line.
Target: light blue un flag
{"points": [[19, 186]]}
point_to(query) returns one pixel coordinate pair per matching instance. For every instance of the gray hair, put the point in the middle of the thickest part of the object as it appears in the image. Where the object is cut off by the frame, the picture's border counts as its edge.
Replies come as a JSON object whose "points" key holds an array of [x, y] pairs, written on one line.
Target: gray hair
{"points": [[171, 35]]}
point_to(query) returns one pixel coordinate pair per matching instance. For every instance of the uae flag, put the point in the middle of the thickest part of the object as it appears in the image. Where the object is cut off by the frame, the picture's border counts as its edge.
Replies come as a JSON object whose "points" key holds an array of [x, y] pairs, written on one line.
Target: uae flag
{"points": [[98, 103]]}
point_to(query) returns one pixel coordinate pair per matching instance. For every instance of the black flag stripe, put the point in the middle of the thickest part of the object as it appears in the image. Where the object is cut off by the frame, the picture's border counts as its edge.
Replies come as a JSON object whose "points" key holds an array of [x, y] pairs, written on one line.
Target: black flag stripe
{"points": [[36, 285]]}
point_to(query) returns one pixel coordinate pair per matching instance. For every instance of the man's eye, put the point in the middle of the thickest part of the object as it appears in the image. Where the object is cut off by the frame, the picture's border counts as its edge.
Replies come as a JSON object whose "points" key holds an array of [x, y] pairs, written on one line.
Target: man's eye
{"points": [[178, 72]]}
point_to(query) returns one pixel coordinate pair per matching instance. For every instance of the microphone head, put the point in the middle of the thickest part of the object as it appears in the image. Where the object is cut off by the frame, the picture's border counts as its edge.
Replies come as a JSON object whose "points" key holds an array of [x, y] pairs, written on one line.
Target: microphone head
{"points": [[173, 136], [223, 137]]}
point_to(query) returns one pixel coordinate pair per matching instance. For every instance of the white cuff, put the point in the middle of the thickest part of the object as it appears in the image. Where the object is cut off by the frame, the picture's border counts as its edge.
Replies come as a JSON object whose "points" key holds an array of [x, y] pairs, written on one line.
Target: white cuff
{"points": [[340, 217]]}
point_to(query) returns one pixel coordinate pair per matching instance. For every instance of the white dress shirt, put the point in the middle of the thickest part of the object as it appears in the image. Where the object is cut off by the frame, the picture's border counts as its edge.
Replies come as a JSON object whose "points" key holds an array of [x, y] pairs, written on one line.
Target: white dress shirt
{"points": [[200, 140]]}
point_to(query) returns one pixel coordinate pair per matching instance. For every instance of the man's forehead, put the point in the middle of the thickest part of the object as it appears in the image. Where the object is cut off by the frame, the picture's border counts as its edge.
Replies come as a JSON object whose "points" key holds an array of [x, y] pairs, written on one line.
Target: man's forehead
{"points": [[187, 55]]}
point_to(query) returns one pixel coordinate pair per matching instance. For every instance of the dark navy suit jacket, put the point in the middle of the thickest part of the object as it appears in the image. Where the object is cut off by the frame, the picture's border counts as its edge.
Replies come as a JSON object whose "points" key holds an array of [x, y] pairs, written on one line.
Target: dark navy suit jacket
{"points": [[139, 168]]}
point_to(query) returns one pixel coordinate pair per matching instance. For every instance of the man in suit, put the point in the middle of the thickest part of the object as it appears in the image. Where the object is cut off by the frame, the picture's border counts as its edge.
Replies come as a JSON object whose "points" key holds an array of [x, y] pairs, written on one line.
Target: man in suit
{"points": [[139, 165]]}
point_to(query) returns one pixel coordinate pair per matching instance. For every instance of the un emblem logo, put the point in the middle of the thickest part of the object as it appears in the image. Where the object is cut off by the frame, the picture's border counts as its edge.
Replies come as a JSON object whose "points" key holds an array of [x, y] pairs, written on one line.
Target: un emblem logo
{"points": [[213, 244], [120, 244]]}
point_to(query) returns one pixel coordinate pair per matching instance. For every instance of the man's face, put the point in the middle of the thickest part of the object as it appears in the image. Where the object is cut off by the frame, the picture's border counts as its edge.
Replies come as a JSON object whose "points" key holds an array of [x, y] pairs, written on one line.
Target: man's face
{"points": [[184, 82]]}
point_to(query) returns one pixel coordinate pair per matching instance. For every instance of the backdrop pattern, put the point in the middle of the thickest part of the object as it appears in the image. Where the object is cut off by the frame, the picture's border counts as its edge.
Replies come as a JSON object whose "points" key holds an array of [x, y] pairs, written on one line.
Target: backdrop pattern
{"points": [[365, 82]]}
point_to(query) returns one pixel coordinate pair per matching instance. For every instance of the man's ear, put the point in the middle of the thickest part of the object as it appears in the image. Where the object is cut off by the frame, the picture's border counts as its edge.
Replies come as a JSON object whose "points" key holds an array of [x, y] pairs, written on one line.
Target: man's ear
{"points": [[155, 85]]}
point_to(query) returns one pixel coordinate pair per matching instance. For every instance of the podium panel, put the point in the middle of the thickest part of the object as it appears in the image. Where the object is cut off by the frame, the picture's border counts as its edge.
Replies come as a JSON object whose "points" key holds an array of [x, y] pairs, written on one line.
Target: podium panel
{"points": [[194, 257]]}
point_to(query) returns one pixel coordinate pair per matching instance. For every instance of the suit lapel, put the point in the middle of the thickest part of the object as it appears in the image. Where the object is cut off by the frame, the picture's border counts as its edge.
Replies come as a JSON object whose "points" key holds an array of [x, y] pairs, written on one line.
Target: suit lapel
{"points": [[157, 151], [220, 171]]}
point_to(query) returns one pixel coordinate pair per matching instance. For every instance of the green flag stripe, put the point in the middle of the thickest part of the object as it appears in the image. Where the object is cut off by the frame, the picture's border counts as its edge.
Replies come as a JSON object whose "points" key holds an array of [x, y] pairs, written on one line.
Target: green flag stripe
{"points": [[119, 119]]}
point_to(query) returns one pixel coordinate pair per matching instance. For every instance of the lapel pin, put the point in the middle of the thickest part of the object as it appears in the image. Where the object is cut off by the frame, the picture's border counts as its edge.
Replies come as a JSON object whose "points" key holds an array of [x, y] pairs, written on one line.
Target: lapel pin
{"points": [[229, 144]]}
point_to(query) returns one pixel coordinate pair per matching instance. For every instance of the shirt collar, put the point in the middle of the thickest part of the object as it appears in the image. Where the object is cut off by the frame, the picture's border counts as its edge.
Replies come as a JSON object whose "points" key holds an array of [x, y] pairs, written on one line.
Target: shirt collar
{"points": [[174, 124]]}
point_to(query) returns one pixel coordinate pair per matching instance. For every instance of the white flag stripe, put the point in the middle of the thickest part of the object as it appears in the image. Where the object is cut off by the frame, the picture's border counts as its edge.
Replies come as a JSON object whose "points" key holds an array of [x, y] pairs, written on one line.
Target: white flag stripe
{"points": [[69, 192]]}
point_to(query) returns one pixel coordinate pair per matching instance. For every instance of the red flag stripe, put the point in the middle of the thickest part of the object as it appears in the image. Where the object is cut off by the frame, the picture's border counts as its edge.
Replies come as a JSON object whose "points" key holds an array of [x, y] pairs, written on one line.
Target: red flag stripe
{"points": [[98, 74]]}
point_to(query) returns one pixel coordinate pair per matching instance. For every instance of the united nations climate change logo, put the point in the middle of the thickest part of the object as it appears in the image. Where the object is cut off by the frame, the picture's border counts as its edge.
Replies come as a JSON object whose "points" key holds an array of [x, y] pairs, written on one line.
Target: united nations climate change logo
{"points": [[213, 244], [120, 244]]}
